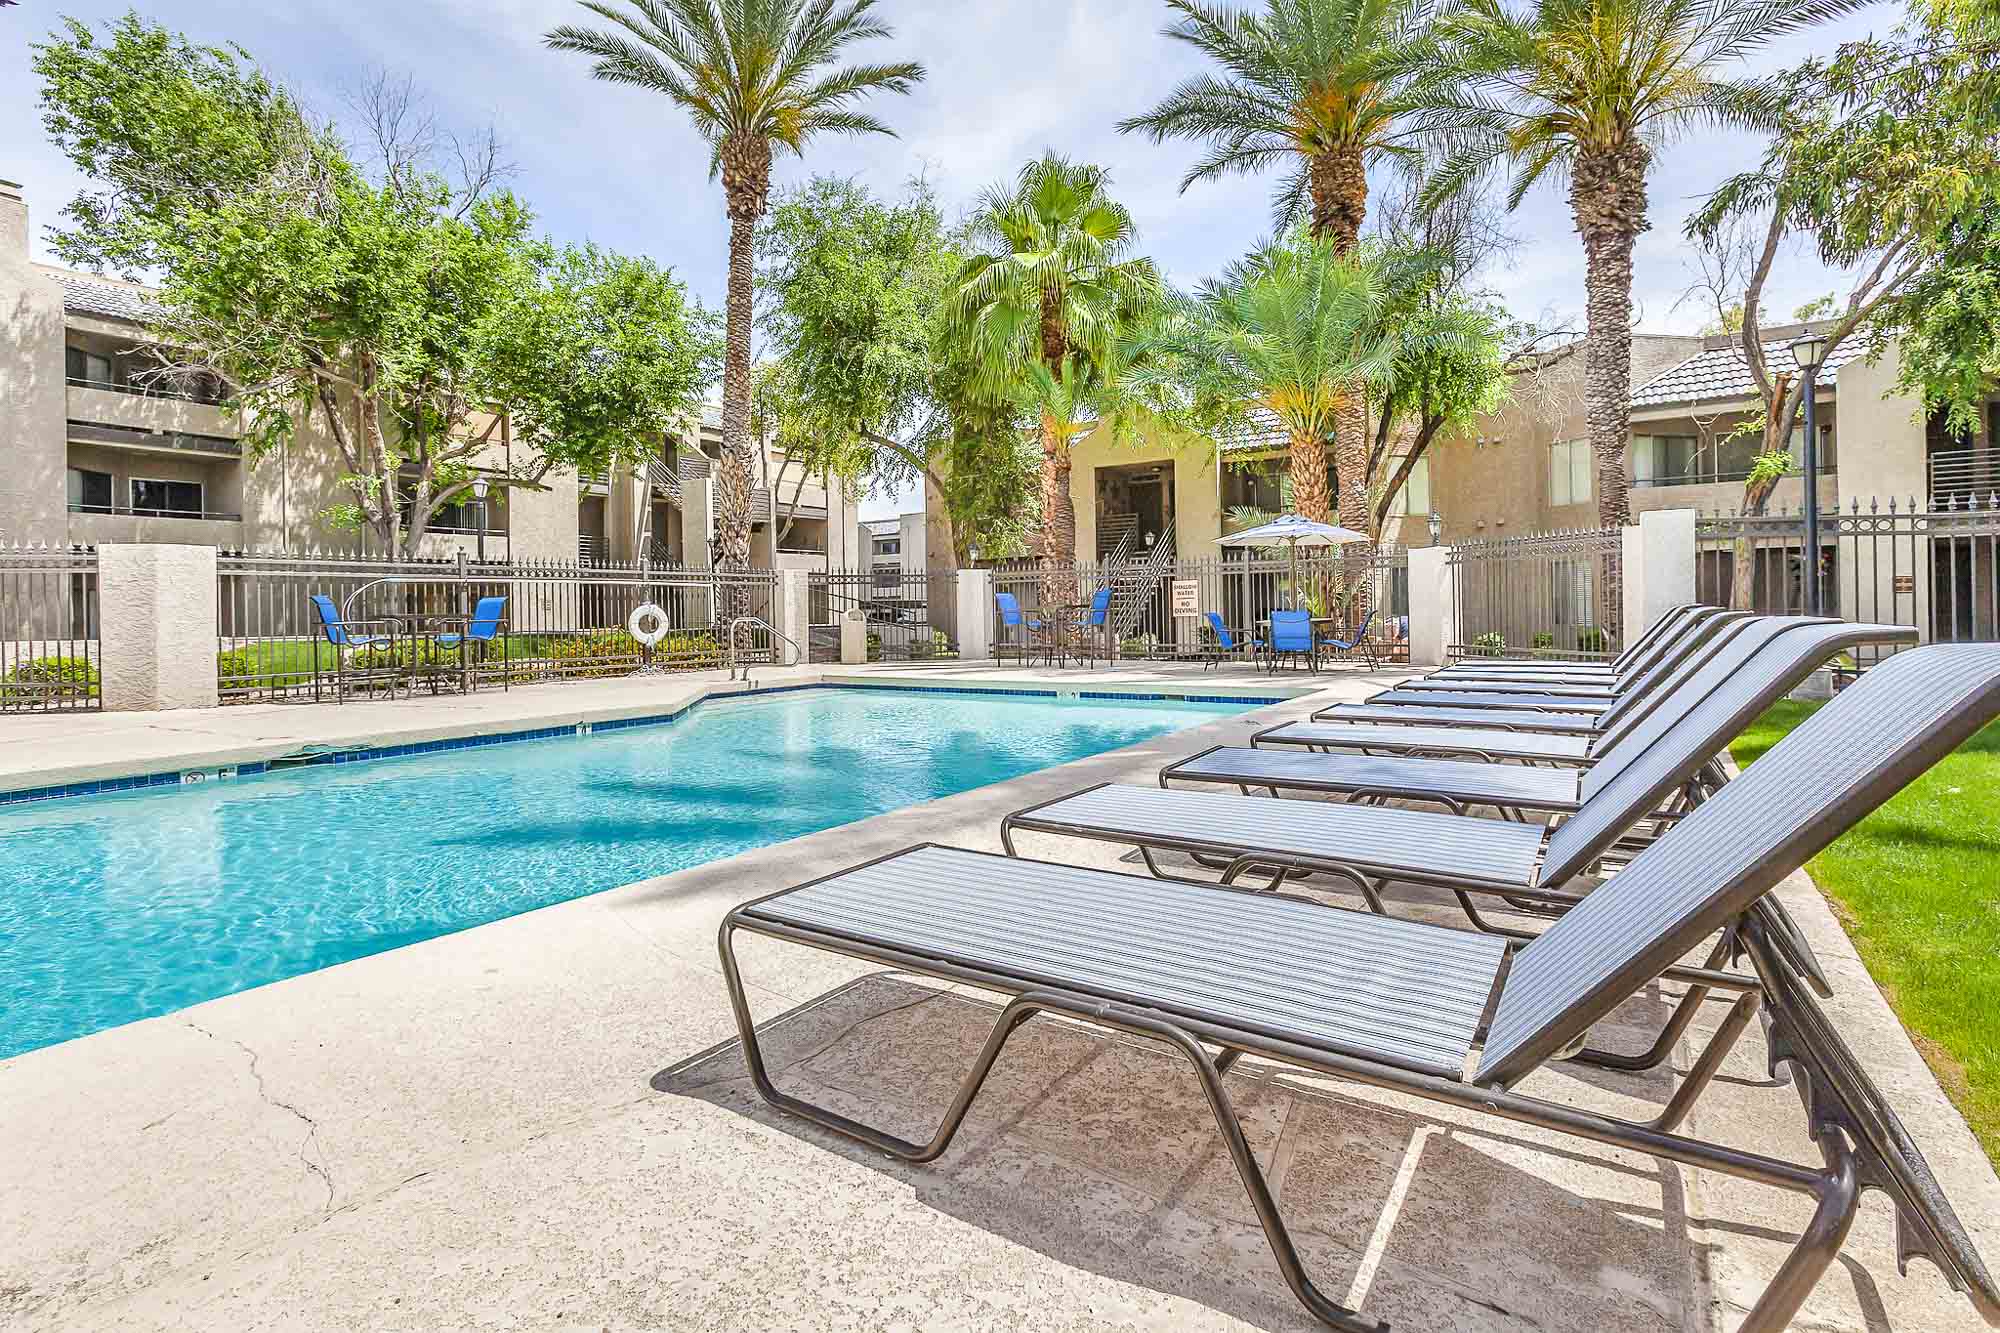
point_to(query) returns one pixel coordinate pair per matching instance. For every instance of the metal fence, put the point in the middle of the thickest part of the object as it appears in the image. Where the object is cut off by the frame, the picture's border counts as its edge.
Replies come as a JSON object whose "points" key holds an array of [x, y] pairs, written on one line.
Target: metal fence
{"points": [[560, 620], [50, 658], [912, 615], [1544, 593], [1242, 590], [1935, 569]]}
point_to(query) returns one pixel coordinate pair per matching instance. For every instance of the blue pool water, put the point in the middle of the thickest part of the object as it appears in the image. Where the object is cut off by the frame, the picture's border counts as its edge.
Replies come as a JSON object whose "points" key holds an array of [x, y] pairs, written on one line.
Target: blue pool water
{"points": [[117, 907]]}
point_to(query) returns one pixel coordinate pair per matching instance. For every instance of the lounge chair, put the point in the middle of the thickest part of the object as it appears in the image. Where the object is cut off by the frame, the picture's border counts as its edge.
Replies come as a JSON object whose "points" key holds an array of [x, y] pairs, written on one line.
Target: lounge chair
{"points": [[1478, 740], [1358, 642], [1763, 660], [1228, 642], [1665, 768], [1403, 1005], [1029, 632], [1292, 637], [1545, 711], [1667, 652], [1634, 656]]}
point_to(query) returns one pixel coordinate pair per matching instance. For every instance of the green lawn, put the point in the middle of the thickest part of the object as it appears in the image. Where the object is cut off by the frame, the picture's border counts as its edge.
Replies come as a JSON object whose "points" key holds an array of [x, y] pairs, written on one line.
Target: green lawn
{"points": [[1917, 884]]}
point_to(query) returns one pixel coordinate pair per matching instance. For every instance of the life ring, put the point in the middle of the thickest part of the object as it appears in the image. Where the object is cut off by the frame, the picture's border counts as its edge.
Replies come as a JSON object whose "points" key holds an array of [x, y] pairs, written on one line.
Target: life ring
{"points": [[641, 614]]}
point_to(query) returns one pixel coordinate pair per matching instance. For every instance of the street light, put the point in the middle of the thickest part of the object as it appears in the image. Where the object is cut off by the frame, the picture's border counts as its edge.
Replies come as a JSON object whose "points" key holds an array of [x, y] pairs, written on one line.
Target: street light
{"points": [[1437, 526], [1808, 352], [479, 488]]}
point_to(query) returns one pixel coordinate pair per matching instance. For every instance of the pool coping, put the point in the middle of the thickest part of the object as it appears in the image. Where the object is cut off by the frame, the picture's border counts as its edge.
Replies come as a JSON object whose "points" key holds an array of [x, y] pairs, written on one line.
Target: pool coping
{"points": [[250, 758]]}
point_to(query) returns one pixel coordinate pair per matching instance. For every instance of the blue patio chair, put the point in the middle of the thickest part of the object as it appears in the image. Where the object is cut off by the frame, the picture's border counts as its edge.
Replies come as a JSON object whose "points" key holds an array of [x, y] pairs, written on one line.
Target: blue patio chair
{"points": [[1292, 636], [1028, 631], [484, 626], [1353, 643], [336, 630], [1228, 642], [1096, 627]]}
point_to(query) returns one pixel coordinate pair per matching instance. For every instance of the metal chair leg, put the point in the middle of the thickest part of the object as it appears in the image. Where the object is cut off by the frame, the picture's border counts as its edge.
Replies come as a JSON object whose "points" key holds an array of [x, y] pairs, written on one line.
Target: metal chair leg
{"points": [[1024, 1007]]}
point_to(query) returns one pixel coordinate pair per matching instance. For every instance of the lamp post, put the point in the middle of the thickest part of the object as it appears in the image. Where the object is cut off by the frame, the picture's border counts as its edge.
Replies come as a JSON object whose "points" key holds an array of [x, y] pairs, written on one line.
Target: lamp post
{"points": [[479, 493], [1437, 527], [1808, 351]]}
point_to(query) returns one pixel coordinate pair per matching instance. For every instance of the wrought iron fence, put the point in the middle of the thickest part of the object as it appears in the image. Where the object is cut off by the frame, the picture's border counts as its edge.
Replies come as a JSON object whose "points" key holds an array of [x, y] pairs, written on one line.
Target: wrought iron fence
{"points": [[1545, 593], [50, 658], [1936, 569], [1241, 589], [912, 615], [560, 620]]}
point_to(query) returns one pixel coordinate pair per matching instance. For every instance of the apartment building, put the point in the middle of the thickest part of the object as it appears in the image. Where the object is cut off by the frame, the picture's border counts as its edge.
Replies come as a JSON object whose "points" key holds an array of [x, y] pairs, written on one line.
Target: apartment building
{"points": [[98, 450]]}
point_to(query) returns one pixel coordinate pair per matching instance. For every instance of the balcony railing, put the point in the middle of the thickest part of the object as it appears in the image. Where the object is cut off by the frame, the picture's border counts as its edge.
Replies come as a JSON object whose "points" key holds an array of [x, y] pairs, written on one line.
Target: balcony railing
{"points": [[1963, 474], [212, 515], [146, 390], [1826, 469]]}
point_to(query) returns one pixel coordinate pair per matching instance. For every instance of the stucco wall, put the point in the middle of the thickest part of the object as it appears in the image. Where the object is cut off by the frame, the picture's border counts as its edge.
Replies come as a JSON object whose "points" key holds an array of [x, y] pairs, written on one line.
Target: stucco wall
{"points": [[1882, 450], [32, 503], [1197, 497]]}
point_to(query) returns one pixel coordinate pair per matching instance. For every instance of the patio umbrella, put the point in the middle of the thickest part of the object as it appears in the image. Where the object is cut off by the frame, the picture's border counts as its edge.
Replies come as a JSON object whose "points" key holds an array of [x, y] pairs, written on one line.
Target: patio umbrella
{"points": [[1294, 531]]}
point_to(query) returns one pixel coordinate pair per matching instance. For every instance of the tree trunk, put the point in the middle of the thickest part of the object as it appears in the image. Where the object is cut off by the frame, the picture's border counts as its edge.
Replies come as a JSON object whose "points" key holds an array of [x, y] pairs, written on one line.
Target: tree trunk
{"points": [[1338, 182], [1608, 203], [1058, 518], [746, 183]]}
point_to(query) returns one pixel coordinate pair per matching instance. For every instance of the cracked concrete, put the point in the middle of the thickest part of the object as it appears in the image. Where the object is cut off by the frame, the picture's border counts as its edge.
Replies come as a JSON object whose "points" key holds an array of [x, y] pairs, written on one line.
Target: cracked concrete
{"points": [[546, 1121]]}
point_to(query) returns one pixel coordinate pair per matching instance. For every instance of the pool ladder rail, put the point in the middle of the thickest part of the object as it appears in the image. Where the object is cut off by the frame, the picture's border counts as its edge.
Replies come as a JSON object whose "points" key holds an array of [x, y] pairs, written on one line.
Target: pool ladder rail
{"points": [[798, 653]]}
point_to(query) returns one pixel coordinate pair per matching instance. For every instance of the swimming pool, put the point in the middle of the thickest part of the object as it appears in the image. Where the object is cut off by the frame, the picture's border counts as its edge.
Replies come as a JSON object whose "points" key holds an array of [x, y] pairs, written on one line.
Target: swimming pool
{"points": [[117, 907]]}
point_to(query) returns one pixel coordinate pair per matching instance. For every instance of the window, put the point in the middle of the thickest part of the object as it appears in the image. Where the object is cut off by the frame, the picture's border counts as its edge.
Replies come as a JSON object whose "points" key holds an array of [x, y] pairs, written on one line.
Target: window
{"points": [[1662, 460], [888, 546], [89, 492], [1417, 489], [1570, 466], [89, 367], [177, 499]]}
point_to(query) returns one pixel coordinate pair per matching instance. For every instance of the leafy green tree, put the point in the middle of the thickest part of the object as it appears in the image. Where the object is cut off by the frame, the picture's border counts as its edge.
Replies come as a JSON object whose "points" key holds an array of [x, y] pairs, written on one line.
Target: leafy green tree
{"points": [[1449, 369], [1312, 85], [1054, 281], [752, 78], [404, 323], [1590, 90], [1886, 161]]}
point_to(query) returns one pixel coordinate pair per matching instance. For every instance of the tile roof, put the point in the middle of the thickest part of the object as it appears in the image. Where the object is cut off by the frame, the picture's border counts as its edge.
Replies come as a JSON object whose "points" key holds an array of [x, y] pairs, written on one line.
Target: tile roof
{"points": [[85, 295], [1721, 374], [1264, 431]]}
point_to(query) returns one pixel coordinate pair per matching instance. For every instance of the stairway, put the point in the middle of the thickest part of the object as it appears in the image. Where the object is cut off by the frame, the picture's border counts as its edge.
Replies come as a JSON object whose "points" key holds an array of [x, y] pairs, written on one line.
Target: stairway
{"points": [[1115, 535], [1134, 583]]}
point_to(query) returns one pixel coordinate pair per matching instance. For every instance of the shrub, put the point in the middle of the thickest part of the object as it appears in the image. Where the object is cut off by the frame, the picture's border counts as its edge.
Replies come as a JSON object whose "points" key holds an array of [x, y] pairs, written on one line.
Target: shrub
{"points": [[874, 646], [1139, 645], [691, 649], [601, 652], [935, 644], [1591, 639], [1490, 644], [1544, 639], [54, 677]]}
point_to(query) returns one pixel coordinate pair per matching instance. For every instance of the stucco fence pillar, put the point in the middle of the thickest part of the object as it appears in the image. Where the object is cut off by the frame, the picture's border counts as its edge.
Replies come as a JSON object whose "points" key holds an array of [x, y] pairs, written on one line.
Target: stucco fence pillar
{"points": [[1433, 606], [793, 612], [157, 627], [1659, 568], [975, 614]]}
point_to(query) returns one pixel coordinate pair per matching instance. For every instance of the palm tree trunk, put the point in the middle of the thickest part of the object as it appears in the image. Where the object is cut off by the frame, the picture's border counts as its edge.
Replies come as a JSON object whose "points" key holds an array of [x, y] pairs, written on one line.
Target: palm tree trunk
{"points": [[1338, 182], [746, 181], [1311, 497], [1608, 202], [1058, 518]]}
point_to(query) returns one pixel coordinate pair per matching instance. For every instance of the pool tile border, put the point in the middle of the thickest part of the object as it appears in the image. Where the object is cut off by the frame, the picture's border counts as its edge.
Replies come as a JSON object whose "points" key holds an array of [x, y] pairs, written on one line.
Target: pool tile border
{"points": [[363, 754]]}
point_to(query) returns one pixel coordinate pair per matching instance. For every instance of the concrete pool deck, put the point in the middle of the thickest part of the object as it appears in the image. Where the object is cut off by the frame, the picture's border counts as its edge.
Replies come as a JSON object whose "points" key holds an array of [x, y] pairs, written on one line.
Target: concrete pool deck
{"points": [[545, 1122]]}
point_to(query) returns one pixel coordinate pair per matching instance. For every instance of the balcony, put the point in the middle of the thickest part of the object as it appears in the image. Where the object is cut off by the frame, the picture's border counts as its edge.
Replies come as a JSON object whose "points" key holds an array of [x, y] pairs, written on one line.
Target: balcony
{"points": [[92, 524], [144, 412], [1965, 475], [155, 440]]}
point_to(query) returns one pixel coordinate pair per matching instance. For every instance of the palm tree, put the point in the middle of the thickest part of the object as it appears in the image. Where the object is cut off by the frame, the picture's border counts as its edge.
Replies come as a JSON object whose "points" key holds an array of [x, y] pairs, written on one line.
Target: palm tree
{"points": [[1290, 329], [1311, 84], [1590, 90], [1315, 85], [1056, 287], [749, 75]]}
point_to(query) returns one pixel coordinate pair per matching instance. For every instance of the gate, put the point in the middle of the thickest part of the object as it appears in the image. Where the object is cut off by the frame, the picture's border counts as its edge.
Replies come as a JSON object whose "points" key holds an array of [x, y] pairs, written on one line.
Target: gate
{"points": [[50, 656], [1543, 594], [912, 615]]}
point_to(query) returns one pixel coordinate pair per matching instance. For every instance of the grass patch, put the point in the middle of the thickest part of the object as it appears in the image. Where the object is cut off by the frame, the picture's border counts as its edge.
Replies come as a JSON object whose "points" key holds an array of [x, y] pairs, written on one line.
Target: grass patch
{"points": [[1917, 885]]}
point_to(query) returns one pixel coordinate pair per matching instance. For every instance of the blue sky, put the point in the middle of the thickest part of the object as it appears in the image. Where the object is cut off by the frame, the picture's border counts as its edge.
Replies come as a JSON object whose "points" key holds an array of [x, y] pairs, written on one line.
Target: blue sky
{"points": [[1008, 78]]}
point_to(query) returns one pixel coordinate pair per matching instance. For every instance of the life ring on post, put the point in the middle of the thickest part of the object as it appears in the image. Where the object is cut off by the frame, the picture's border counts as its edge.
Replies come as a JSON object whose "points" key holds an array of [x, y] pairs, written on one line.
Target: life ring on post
{"points": [[649, 612]]}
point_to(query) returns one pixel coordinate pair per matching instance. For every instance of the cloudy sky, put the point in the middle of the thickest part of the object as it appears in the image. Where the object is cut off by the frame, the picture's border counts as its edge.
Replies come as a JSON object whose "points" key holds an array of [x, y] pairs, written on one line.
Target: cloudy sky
{"points": [[1007, 78]]}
